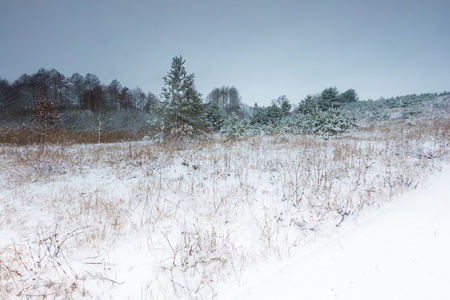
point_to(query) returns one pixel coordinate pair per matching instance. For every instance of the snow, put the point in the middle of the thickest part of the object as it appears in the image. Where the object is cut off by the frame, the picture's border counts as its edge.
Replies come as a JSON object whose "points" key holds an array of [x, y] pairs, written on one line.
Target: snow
{"points": [[400, 252], [256, 218]]}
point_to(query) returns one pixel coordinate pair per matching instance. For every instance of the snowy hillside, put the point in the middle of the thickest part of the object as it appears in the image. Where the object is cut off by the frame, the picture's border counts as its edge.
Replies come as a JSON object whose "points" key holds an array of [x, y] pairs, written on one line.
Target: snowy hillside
{"points": [[218, 219], [398, 252]]}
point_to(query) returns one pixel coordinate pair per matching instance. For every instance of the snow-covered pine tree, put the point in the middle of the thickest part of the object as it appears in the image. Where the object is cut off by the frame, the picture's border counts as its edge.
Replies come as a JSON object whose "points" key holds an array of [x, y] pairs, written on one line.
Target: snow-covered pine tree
{"points": [[233, 128], [214, 116], [180, 113], [328, 98]]}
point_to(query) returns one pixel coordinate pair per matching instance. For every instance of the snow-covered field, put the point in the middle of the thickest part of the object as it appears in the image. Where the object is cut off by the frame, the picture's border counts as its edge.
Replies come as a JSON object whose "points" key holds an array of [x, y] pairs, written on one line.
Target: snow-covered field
{"points": [[398, 252], [284, 216]]}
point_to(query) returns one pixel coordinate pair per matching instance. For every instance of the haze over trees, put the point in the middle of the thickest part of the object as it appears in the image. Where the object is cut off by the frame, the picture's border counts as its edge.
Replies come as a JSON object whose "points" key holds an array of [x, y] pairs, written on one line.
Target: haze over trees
{"points": [[73, 92], [84, 102], [76, 92]]}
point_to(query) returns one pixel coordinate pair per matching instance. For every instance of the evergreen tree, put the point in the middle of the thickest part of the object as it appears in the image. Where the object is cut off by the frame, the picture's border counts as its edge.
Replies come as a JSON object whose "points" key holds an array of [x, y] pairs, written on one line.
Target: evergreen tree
{"points": [[233, 128], [180, 113], [328, 98], [182, 103], [271, 115], [348, 96], [286, 107], [274, 114], [308, 106], [214, 116], [283, 103]]}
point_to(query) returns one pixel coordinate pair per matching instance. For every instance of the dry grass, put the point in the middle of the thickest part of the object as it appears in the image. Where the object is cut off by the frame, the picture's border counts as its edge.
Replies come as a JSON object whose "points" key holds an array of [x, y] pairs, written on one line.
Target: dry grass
{"points": [[28, 135], [206, 212]]}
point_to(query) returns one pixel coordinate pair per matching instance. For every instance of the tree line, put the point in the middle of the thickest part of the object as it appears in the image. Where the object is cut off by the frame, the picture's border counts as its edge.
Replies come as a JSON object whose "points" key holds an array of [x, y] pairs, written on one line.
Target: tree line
{"points": [[88, 92], [178, 111], [181, 113], [76, 91], [181, 110]]}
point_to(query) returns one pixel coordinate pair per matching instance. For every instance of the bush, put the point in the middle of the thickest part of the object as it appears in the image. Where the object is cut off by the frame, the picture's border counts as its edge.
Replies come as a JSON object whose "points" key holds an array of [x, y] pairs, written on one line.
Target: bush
{"points": [[234, 128], [214, 116], [326, 123]]}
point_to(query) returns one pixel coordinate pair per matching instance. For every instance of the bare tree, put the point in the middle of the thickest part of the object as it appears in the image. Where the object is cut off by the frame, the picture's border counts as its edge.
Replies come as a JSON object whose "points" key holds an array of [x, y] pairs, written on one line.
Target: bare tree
{"points": [[77, 87], [113, 91], [139, 98], [234, 102], [99, 121], [45, 116], [228, 98], [4, 94], [23, 94], [125, 98], [91, 81], [152, 102], [57, 85]]}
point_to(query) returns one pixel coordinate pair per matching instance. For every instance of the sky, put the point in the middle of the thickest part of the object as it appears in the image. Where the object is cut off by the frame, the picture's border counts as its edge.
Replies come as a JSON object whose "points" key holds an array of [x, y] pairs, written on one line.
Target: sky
{"points": [[265, 49]]}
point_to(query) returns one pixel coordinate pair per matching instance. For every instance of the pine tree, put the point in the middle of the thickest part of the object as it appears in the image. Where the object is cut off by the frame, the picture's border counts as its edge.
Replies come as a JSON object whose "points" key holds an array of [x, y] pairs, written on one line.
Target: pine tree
{"points": [[233, 128], [328, 98], [180, 113], [349, 96], [214, 116], [308, 106]]}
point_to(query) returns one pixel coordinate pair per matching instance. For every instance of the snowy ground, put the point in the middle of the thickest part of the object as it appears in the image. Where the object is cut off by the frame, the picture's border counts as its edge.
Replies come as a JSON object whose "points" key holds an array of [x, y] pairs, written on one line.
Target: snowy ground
{"points": [[399, 252], [217, 219]]}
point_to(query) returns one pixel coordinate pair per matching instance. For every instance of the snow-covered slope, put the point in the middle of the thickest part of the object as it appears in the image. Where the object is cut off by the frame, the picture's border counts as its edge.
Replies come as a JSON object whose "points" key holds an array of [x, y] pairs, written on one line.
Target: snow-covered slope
{"points": [[220, 219], [401, 252]]}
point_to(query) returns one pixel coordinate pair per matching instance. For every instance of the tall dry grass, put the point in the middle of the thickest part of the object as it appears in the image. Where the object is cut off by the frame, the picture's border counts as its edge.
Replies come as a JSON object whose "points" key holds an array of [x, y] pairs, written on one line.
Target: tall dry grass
{"points": [[29, 135], [205, 213]]}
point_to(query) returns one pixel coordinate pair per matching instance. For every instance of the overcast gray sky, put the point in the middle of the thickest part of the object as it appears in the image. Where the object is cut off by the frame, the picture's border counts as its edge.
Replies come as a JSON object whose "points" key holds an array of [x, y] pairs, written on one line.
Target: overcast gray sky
{"points": [[264, 48]]}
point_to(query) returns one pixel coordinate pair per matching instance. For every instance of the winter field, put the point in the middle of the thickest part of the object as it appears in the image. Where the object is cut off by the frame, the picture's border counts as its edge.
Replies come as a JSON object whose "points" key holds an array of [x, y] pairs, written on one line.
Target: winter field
{"points": [[219, 219], [397, 252]]}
